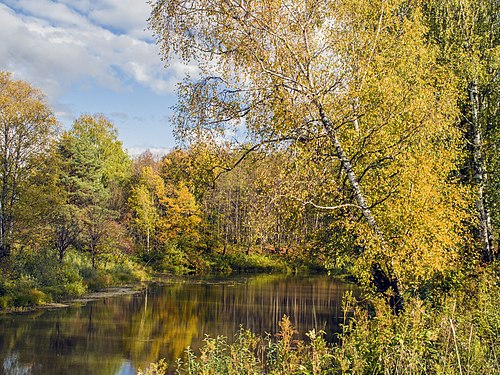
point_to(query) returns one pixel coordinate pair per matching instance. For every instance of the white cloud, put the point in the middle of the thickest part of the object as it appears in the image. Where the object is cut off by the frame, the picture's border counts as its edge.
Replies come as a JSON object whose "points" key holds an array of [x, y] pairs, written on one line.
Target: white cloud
{"points": [[157, 152], [53, 12], [58, 44], [123, 16]]}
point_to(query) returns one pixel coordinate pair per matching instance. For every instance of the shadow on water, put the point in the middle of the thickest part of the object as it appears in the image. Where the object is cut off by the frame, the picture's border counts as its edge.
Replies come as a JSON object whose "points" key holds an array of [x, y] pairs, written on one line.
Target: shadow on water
{"points": [[119, 334]]}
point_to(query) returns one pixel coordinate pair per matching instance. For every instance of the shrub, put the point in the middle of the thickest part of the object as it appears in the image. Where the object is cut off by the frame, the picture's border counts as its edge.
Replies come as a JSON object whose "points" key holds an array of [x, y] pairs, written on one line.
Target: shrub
{"points": [[95, 279], [25, 292], [169, 259], [250, 354], [54, 279]]}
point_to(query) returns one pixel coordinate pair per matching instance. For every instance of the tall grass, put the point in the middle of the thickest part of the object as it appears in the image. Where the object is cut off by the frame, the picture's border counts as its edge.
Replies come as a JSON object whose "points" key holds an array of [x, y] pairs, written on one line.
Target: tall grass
{"points": [[454, 338], [251, 354], [458, 335]]}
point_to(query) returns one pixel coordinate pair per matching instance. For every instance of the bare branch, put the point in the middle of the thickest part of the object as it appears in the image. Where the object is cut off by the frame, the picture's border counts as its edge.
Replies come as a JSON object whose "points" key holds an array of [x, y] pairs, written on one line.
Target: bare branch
{"points": [[311, 203]]}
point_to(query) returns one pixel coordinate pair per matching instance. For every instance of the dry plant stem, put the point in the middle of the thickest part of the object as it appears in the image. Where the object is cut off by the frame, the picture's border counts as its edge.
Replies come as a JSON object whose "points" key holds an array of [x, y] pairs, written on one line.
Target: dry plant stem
{"points": [[456, 345]]}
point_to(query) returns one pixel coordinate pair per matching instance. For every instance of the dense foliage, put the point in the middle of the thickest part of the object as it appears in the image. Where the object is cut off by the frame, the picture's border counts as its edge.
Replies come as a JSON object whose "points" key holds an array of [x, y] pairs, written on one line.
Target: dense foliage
{"points": [[385, 113], [360, 136]]}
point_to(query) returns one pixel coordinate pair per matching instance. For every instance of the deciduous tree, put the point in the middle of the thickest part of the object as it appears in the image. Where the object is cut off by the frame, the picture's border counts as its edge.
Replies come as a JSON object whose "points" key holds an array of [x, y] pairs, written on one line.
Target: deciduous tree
{"points": [[356, 75], [27, 128], [468, 35]]}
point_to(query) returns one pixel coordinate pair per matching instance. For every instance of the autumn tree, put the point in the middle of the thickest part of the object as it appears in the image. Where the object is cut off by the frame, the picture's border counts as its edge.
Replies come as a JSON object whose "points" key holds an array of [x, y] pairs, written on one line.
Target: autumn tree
{"points": [[42, 207], [27, 128], [164, 215], [468, 35], [182, 217], [146, 196], [356, 75]]}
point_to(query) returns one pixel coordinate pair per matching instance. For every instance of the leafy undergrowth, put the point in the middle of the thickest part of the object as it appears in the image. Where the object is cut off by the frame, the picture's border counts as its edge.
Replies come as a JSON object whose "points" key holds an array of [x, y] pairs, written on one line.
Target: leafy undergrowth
{"points": [[239, 262], [459, 336], [174, 260], [32, 279]]}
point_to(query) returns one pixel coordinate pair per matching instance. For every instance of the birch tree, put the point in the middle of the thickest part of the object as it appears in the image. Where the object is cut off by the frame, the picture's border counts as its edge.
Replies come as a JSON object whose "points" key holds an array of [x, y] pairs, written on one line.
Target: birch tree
{"points": [[355, 76], [468, 34], [27, 128], [144, 202]]}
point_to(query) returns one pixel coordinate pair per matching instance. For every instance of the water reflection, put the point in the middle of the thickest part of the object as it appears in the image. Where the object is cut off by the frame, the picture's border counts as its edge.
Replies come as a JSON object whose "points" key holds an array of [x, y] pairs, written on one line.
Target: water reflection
{"points": [[118, 335]]}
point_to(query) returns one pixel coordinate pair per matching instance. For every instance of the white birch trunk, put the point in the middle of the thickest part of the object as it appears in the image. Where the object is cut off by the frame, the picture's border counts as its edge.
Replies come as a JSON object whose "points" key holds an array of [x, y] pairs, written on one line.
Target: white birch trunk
{"points": [[480, 175]]}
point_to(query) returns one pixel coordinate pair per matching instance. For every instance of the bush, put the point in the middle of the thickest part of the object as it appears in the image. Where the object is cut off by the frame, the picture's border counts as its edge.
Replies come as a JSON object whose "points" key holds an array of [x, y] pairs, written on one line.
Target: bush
{"points": [[95, 279], [118, 270], [124, 270], [5, 302], [25, 293], [170, 259], [250, 354], [56, 280]]}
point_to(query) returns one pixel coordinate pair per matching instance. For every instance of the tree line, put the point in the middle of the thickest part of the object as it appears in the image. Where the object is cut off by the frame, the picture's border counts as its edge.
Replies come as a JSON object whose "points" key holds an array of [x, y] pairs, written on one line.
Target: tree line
{"points": [[393, 105], [371, 144], [78, 189]]}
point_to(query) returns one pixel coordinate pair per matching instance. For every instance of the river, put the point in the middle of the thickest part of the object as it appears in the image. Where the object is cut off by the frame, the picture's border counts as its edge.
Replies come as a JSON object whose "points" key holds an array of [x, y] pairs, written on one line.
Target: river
{"points": [[117, 335]]}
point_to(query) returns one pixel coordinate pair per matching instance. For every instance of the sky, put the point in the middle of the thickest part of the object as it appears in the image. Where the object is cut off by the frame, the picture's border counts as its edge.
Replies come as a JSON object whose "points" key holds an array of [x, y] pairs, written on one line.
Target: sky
{"points": [[97, 57]]}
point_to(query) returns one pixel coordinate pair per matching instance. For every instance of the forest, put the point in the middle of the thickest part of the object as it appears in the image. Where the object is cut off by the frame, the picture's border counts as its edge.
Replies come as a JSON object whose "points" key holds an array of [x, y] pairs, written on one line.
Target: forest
{"points": [[354, 137]]}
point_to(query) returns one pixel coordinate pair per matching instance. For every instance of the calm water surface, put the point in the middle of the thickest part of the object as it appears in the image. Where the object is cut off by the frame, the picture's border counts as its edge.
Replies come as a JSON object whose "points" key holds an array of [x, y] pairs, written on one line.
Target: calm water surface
{"points": [[120, 334]]}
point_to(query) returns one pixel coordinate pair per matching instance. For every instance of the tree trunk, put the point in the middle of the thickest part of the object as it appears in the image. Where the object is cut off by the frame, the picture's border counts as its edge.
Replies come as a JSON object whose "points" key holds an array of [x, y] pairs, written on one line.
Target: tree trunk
{"points": [[351, 175], [61, 251], [93, 254], [480, 175], [382, 276]]}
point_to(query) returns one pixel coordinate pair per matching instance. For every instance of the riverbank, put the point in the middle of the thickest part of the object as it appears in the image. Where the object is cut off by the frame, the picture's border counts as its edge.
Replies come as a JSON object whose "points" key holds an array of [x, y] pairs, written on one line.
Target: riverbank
{"points": [[90, 297], [233, 260], [39, 280], [109, 292], [32, 280]]}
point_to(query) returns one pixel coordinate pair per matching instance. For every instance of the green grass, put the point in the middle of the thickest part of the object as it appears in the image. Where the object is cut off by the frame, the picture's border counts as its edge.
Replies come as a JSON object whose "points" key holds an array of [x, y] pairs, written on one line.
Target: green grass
{"points": [[37, 278]]}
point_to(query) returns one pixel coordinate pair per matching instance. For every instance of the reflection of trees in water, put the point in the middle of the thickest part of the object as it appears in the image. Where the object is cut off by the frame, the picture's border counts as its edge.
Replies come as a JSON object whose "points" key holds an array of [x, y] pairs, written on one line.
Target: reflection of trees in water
{"points": [[162, 322], [67, 341], [161, 325], [60, 344], [259, 306]]}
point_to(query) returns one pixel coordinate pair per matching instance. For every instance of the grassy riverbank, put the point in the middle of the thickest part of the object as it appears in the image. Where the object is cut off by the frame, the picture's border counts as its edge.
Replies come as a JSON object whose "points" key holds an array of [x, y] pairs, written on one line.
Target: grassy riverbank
{"points": [[456, 335], [33, 279], [234, 260]]}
